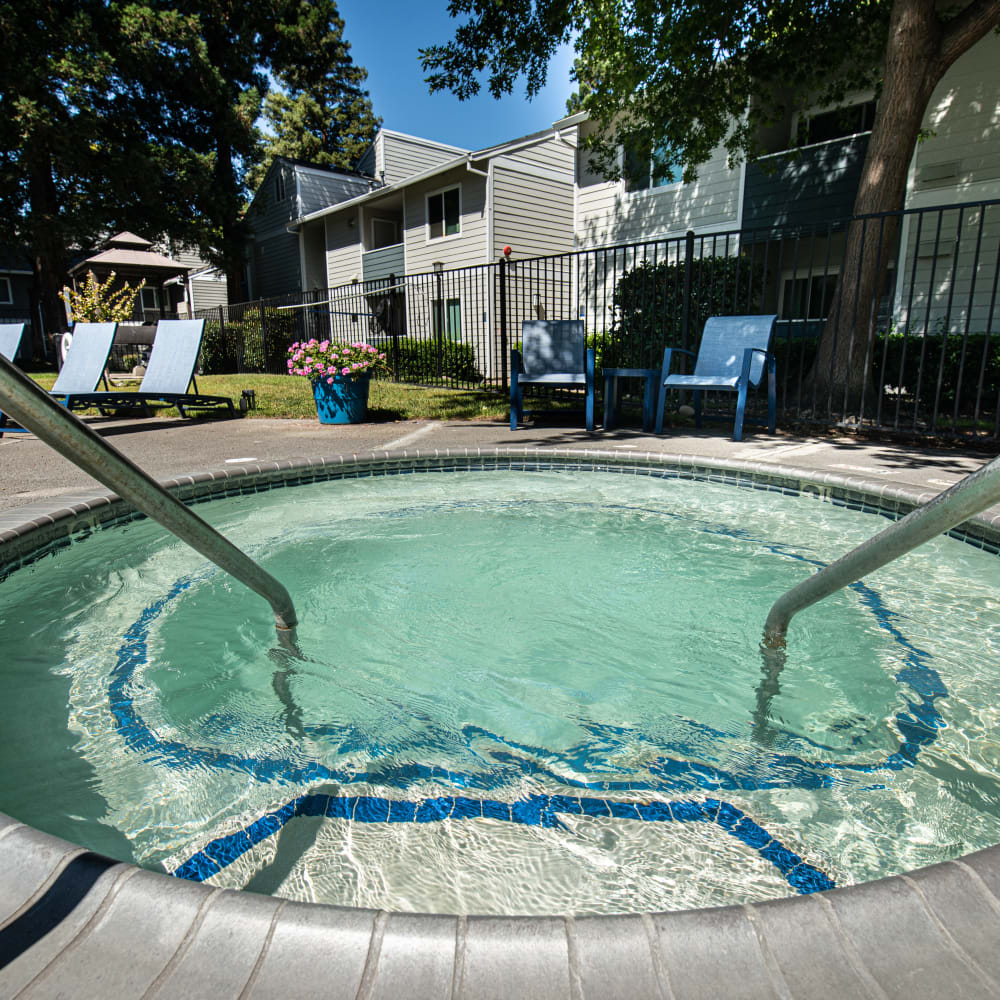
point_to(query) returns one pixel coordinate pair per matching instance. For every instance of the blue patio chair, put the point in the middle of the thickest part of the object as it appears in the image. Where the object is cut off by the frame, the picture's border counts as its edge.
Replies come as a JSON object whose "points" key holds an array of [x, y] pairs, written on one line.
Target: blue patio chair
{"points": [[86, 360], [169, 374], [553, 353], [10, 342], [731, 358]]}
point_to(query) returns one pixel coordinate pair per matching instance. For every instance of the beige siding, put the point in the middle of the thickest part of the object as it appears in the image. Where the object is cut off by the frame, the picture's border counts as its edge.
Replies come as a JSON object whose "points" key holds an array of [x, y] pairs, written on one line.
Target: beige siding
{"points": [[960, 161], [468, 246], [533, 214], [403, 156], [209, 293], [944, 283], [343, 252], [549, 153], [607, 213]]}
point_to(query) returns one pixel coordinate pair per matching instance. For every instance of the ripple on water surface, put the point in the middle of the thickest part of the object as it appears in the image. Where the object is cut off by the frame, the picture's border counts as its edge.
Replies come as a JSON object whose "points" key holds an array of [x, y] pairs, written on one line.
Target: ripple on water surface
{"points": [[507, 638]]}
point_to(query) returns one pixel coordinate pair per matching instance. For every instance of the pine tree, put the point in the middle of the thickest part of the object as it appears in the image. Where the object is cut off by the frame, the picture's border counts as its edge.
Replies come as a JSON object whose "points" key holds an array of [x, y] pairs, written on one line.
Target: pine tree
{"points": [[322, 114]]}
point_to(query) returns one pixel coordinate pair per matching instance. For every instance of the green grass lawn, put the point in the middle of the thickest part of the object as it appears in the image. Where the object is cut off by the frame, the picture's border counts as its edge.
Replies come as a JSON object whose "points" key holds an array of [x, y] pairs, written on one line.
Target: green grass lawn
{"points": [[287, 397]]}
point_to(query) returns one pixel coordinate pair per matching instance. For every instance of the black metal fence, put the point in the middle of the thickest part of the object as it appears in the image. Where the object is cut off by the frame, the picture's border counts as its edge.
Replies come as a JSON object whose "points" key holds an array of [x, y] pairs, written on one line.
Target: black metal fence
{"points": [[924, 336]]}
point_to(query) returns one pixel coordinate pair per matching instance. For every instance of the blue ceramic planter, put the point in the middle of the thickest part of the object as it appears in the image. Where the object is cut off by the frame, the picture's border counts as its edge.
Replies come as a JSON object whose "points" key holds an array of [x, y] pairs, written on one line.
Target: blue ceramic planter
{"points": [[344, 401]]}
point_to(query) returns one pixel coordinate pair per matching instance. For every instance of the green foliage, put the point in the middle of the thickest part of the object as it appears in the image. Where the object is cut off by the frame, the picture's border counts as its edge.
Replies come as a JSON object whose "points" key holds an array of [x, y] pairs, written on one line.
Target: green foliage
{"points": [[649, 306], [421, 360], [240, 345], [910, 364], [142, 116], [102, 303], [690, 76], [322, 114]]}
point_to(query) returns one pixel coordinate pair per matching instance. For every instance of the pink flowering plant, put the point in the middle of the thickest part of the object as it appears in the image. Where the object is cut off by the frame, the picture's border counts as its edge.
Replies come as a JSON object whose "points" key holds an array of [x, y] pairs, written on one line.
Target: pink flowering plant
{"points": [[323, 360]]}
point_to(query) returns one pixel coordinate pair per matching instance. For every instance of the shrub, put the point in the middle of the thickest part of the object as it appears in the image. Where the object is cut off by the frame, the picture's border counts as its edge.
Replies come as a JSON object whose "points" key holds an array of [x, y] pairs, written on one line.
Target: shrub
{"points": [[428, 361], [240, 345], [896, 362], [649, 306]]}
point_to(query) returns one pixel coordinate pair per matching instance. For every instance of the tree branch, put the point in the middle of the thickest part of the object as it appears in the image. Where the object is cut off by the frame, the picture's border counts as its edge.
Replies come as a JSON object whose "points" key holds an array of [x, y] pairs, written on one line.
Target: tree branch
{"points": [[960, 34]]}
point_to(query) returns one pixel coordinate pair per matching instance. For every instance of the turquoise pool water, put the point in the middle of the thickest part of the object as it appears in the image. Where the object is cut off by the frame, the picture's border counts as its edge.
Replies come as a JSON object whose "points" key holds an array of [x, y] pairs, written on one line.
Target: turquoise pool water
{"points": [[519, 693]]}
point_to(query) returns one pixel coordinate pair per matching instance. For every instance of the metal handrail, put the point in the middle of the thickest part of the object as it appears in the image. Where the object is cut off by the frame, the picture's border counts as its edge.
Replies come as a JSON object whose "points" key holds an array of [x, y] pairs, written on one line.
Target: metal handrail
{"points": [[979, 490], [52, 423]]}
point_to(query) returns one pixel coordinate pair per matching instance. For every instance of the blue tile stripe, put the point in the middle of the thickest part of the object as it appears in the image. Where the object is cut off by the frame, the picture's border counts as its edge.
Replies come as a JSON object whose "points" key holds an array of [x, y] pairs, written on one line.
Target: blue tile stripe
{"points": [[918, 727], [532, 810]]}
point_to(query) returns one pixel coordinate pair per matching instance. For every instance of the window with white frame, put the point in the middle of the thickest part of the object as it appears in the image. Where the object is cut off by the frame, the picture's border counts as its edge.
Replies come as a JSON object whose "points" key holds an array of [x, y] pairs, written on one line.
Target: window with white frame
{"points": [[150, 299], [809, 296], [448, 318], [279, 185], [646, 167], [6, 292], [813, 296], [444, 213]]}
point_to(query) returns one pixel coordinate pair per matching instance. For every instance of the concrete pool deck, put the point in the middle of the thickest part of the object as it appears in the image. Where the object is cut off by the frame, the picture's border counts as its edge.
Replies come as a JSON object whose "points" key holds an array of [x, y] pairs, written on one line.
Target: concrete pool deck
{"points": [[75, 924], [30, 471]]}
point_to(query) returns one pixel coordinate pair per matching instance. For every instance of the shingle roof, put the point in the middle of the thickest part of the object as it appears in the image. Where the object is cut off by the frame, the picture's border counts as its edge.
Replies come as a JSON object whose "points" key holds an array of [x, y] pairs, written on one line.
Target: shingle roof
{"points": [[133, 258], [127, 239]]}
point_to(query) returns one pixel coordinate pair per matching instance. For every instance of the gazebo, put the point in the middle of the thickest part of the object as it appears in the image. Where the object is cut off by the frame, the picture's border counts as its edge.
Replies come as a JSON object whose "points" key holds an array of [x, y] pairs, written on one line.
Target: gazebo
{"points": [[132, 258]]}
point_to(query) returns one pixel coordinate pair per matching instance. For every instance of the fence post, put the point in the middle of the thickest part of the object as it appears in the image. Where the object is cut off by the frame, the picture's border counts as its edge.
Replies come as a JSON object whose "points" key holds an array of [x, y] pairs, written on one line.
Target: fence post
{"points": [[393, 331], [688, 268], [502, 273], [439, 313], [263, 336]]}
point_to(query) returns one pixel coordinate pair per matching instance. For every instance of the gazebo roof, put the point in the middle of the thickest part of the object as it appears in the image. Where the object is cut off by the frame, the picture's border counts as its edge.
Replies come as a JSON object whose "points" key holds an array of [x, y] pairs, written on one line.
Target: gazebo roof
{"points": [[116, 257], [129, 240]]}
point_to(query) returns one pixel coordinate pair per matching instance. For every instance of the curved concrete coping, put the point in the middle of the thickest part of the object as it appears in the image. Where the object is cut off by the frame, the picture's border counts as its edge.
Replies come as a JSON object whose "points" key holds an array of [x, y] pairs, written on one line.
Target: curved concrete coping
{"points": [[75, 924]]}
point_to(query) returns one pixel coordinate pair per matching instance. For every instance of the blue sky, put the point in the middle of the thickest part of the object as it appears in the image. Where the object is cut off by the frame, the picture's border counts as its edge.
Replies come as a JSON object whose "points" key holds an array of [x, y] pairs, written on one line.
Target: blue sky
{"points": [[384, 39]]}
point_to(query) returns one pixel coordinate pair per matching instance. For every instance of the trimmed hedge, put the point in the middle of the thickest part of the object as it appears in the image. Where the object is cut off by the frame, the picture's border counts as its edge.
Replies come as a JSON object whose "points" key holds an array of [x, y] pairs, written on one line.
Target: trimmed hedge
{"points": [[649, 306], [240, 346], [897, 363], [420, 360]]}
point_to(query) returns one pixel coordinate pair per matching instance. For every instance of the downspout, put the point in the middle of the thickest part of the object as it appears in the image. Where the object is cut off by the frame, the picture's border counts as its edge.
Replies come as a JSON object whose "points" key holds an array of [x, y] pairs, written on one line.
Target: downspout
{"points": [[488, 174]]}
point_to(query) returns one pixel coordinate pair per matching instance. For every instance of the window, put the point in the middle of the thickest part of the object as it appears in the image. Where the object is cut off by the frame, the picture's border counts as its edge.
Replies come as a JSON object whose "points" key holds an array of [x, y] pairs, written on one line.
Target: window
{"points": [[150, 299], [6, 292], [279, 185], [448, 318], [444, 210], [813, 297], [836, 124], [385, 233], [645, 169], [808, 298]]}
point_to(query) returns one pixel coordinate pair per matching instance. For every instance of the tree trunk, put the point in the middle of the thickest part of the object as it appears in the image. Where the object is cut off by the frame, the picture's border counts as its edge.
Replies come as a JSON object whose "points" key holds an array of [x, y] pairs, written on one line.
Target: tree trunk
{"points": [[47, 242], [919, 51]]}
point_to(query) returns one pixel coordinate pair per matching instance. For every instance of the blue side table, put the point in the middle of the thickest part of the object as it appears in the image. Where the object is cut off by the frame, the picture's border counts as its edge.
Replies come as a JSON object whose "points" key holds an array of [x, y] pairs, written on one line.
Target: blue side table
{"points": [[611, 377]]}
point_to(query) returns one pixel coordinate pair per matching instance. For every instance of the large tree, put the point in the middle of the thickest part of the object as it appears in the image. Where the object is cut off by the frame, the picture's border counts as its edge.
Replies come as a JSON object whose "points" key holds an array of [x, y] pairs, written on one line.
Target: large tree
{"points": [[686, 76], [81, 116], [142, 114], [322, 113]]}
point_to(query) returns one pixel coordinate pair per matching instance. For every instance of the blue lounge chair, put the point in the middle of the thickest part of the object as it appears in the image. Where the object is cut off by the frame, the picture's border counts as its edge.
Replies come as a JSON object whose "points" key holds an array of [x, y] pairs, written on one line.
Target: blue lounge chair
{"points": [[169, 374], [86, 359], [553, 353], [10, 342], [731, 358]]}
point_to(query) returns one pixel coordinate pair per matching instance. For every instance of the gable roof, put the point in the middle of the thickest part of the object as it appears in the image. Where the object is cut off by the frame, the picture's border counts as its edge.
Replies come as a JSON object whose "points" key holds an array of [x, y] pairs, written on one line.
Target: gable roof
{"points": [[304, 165], [464, 159]]}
